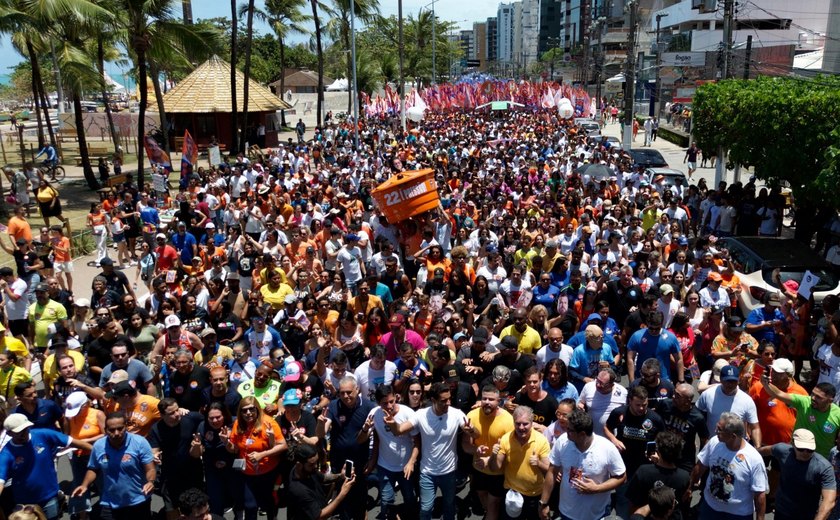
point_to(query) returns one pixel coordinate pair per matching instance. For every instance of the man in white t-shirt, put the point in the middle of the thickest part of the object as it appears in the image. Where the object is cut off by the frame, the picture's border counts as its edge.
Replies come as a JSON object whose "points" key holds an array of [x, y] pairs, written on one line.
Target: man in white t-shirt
{"points": [[393, 455], [737, 481], [727, 397], [589, 467], [438, 426], [555, 348], [601, 396], [375, 372], [349, 258]]}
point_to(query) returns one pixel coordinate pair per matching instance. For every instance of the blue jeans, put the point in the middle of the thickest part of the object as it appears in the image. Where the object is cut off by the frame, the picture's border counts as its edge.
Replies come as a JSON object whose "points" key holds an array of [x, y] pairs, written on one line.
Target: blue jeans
{"points": [[387, 493], [428, 490]]}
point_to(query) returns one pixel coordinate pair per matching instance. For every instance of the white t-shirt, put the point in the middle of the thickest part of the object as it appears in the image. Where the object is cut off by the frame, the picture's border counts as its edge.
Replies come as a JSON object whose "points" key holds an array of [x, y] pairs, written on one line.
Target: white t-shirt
{"points": [[668, 310], [600, 462], [829, 368], [369, 378], [394, 450], [599, 405], [16, 310], [349, 260], [495, 277], [770, 225], [545, 354], [438, 439], [714, 402], [734, 477]]}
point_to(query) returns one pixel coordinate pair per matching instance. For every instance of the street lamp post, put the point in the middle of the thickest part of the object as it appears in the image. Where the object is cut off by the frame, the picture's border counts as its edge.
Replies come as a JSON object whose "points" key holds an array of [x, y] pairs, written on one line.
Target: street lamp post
{"points": [[355, 86], [658, 105]]}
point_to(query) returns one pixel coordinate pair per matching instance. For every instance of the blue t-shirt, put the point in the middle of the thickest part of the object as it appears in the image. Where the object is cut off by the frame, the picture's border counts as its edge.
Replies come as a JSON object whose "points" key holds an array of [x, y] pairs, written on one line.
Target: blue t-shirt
{"points": [[184, 244], [31, 466], [546, 297], [567, 392], [580, 339], [647, 346], [46, 414], [757, 316], [121, 470], [585, 362]]}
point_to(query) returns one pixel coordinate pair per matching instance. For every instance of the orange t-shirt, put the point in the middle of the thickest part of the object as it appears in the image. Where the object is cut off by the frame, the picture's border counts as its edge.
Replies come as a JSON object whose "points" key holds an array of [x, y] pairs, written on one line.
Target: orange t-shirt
{"points": [[249, 442], [142, 417], [19, 228], [775, 418], [62, 249], [85, 426]]}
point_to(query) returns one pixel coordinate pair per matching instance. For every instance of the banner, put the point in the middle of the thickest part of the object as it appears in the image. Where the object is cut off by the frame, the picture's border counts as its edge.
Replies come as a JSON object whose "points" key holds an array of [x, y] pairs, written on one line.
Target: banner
{"points": [[214, 155], [683, 59], [156, 154], [189, 154]]}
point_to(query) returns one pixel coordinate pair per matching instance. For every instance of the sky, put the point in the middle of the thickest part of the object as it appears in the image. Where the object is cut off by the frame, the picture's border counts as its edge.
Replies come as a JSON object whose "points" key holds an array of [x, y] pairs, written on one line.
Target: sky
{"points": [[462, 12]]}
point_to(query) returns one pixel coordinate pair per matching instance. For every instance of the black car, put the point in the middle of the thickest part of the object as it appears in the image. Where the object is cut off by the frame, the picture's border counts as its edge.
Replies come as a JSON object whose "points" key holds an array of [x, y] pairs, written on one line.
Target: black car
{"points": [[647, 157]]}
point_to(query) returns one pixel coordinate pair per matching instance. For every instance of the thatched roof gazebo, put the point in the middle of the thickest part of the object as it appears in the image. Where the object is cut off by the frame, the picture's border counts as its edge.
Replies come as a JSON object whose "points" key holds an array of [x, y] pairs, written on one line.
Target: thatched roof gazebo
{"points": [[301, 81], [201, 103]]}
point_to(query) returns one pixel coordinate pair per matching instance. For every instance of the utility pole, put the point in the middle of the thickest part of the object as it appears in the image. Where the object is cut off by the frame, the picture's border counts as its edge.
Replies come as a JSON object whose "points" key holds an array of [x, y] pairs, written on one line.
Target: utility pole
{"points": [[355, 86], [630, 77], [748, 57], [586, 22], [400, 50], [728, 19], [657, 106], [434, 55]]}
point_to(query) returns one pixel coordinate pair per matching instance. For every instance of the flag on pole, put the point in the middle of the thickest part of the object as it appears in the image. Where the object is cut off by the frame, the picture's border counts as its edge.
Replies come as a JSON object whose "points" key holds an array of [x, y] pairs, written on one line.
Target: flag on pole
{"points": [[189, 155], [157, 156]]}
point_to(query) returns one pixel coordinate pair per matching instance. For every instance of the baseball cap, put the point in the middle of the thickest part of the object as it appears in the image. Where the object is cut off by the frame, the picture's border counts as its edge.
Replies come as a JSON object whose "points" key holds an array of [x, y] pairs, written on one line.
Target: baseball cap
{"points": [[729, 373], [715, 277], [509, 342], [208, 331], [397, 319], [172, 321], [106, 261], [351, 237], [290, 299], [160, 235], [802, 439], [124, 388], [666, 289], [782, 366], [774, 299], [81, 302], [682, 241], [292, 372], [292, 396], [16, 423], [451, 374], [459, 335], [209, 225], [73, 404], [232, 275], [42, 287], [118, 376], [481, 334], [735, 324]]}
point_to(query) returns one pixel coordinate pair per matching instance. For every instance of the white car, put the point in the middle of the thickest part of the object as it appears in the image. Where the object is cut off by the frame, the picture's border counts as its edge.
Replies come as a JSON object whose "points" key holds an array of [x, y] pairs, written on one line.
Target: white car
{"points": [[756, 259]]}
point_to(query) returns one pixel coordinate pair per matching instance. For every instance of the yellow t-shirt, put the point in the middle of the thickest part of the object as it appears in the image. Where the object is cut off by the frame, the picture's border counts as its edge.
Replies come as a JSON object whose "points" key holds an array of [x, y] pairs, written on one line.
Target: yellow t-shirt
{"points": [[276, 298], [9, 379], [519, 474], [51, 369], [223, 355], [266, 396], [490, 430], [529, 341], [44, 316]]}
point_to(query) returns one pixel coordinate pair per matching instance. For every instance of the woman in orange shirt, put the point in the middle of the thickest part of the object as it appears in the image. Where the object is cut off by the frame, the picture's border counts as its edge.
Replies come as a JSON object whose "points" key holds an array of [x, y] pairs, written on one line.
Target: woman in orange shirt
{"points": [[257, 440], [63, 263], [88, 424]]}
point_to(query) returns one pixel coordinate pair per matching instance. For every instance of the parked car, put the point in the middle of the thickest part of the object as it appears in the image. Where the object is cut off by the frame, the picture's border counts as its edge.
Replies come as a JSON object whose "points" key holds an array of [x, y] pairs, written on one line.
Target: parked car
{"points": [[672, 178], [647, 157], [613, 143], [756, 259], [589, 125]]}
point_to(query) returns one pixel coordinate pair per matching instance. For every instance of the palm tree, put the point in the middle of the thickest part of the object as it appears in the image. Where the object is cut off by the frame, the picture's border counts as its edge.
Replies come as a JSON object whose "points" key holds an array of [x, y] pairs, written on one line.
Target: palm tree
{"points": [[234, 115], [320, 50], [249, 31], [338, 28], [186, 9], [284, 17]]}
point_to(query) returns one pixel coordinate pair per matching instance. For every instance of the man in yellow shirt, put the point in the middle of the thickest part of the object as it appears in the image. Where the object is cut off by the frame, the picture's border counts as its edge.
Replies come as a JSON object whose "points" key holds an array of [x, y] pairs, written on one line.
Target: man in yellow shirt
{"points": [[528, 338], [523, 455], [12, 344], [484, 427], [50, 371], [43, 313]]}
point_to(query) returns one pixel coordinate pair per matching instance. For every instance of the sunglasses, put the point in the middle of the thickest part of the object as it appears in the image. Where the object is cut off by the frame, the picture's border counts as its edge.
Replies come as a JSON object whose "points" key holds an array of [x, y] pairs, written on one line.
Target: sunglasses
{"points": [[249, 409]]}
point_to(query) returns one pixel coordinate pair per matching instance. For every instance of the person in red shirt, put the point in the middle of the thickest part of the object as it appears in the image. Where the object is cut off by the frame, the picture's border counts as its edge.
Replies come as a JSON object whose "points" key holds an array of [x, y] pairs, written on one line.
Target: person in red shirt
{"points": [[167, 257]]}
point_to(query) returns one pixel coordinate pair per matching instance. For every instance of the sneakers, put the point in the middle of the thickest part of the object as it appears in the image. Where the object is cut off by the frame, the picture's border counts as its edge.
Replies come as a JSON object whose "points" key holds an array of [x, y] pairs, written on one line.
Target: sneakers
{"points": [[132, 263]]}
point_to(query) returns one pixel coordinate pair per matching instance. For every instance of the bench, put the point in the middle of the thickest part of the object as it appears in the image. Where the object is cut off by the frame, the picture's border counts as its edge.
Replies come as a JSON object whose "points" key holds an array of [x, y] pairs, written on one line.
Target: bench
{"points": [[97, 150], [115, 180], [67, 134]]}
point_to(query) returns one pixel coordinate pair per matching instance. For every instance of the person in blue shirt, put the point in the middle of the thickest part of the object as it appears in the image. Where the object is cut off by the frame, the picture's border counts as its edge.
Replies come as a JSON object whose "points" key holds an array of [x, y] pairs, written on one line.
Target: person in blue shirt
{"points": [[654, 342], [546, 294], [595, 319], [185, 243], [150, 215], [588, 358], [761, 323], [51, 156], [43, 413], [262, 339], [27, 460], [126, 467]]}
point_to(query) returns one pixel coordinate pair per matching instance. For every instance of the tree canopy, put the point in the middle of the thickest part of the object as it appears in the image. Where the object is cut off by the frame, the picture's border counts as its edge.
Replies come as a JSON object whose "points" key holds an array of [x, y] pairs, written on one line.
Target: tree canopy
{"points": [[786, 129]]}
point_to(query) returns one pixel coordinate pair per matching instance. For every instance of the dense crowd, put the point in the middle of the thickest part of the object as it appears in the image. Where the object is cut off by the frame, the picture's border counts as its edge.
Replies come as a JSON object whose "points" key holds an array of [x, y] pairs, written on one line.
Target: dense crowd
{"points": [[296, 350]]}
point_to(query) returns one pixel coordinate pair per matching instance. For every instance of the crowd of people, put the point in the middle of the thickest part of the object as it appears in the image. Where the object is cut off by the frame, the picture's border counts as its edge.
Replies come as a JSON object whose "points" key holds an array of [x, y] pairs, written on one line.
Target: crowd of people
{"points": [[296, 351]]}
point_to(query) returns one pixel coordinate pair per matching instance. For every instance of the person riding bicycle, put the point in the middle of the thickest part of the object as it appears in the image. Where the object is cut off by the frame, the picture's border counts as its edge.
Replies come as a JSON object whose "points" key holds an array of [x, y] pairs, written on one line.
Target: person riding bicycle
{"points": [[51, 160]]}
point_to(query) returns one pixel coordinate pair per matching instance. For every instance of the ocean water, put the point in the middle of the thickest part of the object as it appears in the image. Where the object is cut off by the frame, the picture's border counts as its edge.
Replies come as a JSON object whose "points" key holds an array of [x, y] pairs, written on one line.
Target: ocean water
{"points": [[5, 79]]}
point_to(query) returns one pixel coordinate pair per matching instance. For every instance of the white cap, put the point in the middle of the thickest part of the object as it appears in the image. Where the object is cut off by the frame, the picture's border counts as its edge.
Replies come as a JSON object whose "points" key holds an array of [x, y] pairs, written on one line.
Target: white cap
{"points": [[73, 404], [16, 423], [160, 235], [172, 321]]}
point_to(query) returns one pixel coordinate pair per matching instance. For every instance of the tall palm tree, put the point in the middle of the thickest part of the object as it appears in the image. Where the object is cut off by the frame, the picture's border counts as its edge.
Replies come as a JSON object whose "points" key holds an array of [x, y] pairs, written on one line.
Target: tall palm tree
{"points": [[338, 28], [320, 50], [285, 17], [234, 115], [186, 9], [249, 31]]}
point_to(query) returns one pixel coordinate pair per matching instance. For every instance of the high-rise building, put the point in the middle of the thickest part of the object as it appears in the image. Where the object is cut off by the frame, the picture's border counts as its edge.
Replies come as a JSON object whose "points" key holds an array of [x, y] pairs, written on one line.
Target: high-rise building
{"points": [[504, 40], [549, 21], [492, 45], [480, 47]]}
